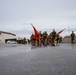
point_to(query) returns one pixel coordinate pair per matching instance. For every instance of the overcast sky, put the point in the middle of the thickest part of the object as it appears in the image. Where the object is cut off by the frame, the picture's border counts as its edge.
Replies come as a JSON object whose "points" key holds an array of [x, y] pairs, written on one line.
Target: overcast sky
{"points": [[45, 15]]}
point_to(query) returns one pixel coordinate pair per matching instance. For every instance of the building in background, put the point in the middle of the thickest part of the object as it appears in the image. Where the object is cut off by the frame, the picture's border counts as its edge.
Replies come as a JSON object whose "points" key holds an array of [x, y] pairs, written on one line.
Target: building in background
{"points": [[67, 39], [6, 36]]}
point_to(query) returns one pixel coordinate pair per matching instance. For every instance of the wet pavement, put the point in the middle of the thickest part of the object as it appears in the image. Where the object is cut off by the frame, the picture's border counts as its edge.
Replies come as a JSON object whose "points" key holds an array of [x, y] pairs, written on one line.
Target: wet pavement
{"points": [[49, 60]]}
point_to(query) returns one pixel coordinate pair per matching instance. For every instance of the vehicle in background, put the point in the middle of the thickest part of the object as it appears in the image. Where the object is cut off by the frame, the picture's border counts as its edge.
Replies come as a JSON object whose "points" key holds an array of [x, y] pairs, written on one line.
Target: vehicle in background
{"points": [[12, 42]]}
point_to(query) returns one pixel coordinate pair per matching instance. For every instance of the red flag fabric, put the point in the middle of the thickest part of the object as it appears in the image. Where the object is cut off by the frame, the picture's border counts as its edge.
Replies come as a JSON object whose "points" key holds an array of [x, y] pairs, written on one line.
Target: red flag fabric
{"points": [[36, 33], [61, 31]]}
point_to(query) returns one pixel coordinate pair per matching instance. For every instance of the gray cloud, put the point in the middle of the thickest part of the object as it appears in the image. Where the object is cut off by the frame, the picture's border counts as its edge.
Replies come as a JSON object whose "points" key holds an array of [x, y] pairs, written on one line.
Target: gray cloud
{"points": [[16, 15]]}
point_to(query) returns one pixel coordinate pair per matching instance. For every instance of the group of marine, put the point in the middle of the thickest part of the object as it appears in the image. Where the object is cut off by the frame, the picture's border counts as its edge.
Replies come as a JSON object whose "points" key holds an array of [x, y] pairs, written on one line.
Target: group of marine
{"points": [[52, 39]]}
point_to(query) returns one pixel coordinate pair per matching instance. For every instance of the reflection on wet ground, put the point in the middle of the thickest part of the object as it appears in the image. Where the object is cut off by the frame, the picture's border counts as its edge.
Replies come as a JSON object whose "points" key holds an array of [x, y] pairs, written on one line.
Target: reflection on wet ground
{"points": [[22, 60], [5, 45], [9, 49]]}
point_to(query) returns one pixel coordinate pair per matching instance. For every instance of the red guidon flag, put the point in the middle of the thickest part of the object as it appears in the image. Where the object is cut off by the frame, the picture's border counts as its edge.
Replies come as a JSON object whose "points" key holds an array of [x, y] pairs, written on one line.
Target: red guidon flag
{"points": [[61, 31], [36, 33]]}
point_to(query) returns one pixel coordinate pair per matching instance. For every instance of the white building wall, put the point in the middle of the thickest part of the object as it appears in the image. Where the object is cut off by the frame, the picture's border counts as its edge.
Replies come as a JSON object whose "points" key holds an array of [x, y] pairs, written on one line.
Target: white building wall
{"points": [[1, 39], [4, 36]]}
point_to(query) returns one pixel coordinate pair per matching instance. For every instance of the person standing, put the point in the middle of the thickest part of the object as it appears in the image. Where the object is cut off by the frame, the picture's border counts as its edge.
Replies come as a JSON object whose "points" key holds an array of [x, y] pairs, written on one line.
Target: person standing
{"points": [[72, 37], [53, 34]]}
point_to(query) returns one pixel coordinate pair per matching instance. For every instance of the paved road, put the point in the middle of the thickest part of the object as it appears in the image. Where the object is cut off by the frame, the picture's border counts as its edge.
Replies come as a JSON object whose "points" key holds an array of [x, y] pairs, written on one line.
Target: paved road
{"points": [[22, 60]]}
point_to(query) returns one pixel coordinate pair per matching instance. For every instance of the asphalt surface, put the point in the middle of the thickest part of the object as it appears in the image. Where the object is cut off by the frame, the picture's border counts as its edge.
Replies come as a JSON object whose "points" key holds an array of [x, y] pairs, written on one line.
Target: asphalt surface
{"points": [[22, 60]]}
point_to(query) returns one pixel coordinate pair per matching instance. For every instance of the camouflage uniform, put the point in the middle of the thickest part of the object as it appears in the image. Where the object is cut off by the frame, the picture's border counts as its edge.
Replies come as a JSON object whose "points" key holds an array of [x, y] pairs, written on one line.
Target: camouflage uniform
{"points": [[72, 37], [53, 37], [57, 39], [32, 39]]}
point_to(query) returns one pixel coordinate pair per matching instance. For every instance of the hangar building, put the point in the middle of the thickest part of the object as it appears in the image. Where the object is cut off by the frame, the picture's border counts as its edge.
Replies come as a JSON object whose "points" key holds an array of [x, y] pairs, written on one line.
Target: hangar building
{"points": [[5, 36]]}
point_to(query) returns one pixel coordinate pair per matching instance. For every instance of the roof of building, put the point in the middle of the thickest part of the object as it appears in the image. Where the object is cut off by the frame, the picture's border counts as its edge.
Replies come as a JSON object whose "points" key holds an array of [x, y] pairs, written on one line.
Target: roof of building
{"points": [[7, 33]]}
